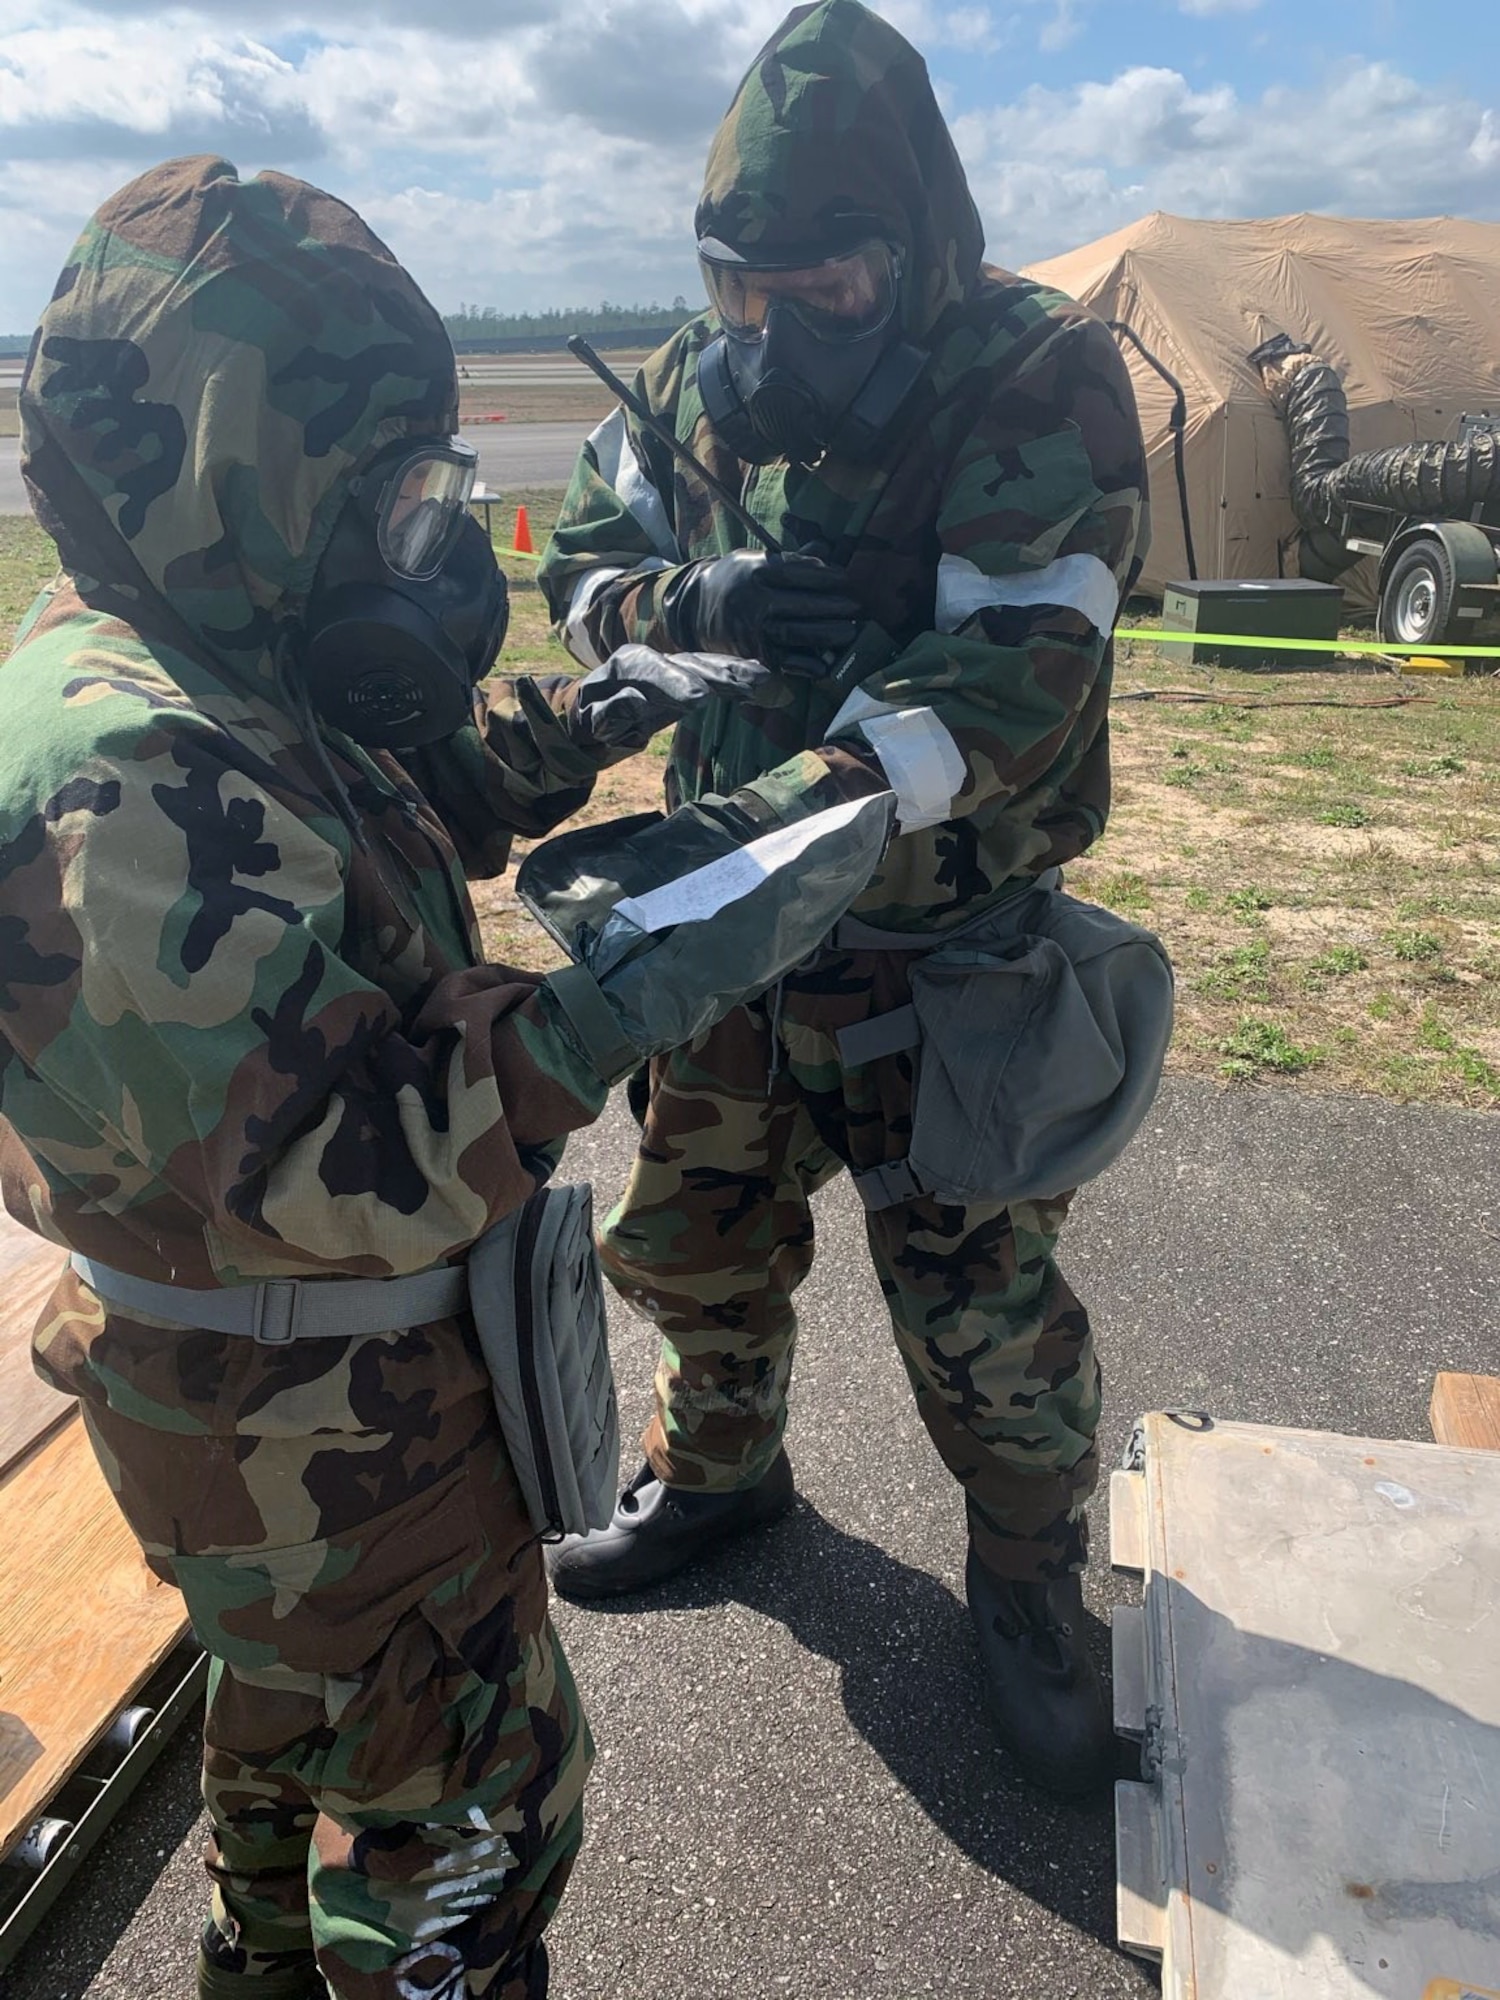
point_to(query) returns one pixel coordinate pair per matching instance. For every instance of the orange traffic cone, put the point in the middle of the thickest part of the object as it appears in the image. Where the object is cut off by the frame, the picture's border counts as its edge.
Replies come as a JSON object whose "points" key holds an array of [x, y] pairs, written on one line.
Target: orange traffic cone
{"points": [[523, 542]]}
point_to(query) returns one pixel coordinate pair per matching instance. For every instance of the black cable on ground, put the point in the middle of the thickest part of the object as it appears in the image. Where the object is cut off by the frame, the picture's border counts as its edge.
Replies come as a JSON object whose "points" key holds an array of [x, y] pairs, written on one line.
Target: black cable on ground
{"points": [[1402, 700]]}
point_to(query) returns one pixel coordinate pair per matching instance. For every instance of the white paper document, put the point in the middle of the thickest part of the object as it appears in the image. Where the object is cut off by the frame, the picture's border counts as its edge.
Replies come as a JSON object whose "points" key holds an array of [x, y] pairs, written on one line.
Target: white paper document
{"points": [[707, 890]]}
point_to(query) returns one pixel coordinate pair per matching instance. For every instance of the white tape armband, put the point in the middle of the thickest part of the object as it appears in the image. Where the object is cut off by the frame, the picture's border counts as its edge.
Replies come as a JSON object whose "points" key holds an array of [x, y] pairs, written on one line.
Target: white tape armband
{"points": [[922, 763], [575, 626], [1081, 583], [615, 456]]}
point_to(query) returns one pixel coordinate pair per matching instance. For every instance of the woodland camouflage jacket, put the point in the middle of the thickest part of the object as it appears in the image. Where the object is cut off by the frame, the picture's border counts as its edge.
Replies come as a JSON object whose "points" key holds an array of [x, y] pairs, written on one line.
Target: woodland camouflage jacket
{"points": [[245, 1029], [993, 539]]}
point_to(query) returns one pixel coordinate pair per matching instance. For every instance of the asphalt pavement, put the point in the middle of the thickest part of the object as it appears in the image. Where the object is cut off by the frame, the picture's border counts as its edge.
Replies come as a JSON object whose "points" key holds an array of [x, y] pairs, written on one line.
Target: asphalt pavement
{"points": [[511, 457], [794, 1792]]}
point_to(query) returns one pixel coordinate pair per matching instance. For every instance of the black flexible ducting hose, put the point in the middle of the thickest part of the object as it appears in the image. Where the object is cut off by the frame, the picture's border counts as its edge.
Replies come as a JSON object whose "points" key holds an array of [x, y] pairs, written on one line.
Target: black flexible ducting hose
{"points": [[1315, 410], [1445, 480], [1178, 423]]}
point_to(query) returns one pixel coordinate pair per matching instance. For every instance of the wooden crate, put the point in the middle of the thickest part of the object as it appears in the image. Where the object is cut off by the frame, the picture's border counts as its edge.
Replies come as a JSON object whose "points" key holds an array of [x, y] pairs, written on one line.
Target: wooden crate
{"points": [[28, 1408], [1466, 1411], [83, 1623]]}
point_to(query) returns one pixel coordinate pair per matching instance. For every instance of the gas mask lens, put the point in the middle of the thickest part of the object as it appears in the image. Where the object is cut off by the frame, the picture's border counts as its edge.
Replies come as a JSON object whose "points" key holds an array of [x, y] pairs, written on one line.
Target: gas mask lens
{"points": [[422, 506], [839, 299]]}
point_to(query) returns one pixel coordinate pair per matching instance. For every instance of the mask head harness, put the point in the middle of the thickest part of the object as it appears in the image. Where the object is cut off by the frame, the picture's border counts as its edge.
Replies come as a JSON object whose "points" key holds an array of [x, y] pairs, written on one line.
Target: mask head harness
{"points": [[408, 610], [809, 360]]}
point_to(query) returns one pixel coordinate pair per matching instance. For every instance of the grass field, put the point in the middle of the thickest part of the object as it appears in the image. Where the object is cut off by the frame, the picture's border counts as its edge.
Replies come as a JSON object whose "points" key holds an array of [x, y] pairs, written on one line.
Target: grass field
{"points": [[1320, 852], [1325, 870]]}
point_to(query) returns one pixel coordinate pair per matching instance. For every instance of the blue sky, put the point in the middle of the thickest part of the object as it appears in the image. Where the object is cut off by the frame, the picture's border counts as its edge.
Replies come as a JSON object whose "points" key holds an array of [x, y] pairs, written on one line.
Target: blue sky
{"points": [[539, 152], [1258, 47]]}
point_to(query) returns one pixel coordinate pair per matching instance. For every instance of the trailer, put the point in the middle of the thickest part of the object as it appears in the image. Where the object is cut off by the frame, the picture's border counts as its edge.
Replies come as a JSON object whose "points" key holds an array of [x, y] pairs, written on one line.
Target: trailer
{"points": [[1427, 512], [1439, 576], [1439, 580]]}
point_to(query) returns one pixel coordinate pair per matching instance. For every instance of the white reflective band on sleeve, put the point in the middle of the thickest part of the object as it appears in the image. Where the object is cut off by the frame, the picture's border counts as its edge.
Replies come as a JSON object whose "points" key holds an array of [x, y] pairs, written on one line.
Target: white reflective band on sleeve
{"points": [[575, 631], [619, 465], [924, 766], [575, 628], [1083, 583]]}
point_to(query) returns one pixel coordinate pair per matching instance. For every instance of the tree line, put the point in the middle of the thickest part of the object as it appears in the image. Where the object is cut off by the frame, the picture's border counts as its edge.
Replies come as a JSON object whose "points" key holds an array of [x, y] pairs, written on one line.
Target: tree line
{"points": [[489, 323]]}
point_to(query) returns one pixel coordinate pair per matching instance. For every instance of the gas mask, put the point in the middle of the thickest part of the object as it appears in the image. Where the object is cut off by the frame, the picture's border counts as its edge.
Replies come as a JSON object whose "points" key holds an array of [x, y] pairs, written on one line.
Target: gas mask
{"points": [[808, 361], [408, 609]]}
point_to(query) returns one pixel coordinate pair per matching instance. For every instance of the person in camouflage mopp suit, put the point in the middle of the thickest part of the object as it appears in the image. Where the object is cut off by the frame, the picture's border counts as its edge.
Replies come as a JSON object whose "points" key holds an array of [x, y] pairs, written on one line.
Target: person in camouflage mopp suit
{"points": [[247, 1034], [954, 454]]}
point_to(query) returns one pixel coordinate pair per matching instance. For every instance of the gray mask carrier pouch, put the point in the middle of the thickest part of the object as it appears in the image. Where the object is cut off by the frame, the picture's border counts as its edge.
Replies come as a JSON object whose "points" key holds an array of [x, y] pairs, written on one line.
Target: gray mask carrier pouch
{"points": [[537, 1297], [1042, 1031]]}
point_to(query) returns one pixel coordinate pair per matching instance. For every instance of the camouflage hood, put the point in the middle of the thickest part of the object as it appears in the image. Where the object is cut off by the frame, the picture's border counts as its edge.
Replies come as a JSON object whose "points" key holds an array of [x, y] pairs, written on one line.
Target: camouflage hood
{"points": [[836, 121], [216, 359]]}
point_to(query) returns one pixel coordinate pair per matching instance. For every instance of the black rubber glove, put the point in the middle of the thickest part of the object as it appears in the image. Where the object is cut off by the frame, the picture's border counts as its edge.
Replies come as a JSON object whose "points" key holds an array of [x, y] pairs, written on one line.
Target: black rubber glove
{"points": [[638, 691], [794, 612]]}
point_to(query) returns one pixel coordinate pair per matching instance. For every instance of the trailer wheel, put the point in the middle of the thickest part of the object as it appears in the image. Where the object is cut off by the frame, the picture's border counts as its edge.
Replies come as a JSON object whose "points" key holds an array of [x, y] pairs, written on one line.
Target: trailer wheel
{"points": [[1420, 597]]}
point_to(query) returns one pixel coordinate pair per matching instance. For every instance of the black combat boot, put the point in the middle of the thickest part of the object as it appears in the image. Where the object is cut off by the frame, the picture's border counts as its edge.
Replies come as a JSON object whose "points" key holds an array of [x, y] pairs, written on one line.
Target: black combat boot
{"points": [[658, 1530], [1042, 1693]]}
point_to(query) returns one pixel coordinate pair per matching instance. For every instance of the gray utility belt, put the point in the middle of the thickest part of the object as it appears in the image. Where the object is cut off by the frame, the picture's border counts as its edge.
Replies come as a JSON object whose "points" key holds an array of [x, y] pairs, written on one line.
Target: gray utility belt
{"points": [[533, 1285], [280, 1310]]}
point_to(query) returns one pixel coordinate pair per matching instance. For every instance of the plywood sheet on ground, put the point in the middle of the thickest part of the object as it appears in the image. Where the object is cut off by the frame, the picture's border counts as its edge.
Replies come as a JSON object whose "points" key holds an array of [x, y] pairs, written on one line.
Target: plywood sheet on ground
{"points": [[28, 1408], [1466, 1411], [82, 1621]]}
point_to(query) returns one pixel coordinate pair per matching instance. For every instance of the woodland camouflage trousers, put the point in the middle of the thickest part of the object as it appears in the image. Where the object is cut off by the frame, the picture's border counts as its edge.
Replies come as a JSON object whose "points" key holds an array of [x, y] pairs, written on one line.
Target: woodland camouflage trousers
{"points": [[715, 1233], [394, 1752], [435, 1884]]}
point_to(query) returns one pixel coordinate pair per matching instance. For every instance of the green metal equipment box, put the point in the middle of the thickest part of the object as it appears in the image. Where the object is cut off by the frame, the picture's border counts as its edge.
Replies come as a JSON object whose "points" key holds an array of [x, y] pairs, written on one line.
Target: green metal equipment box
{"points": [[1284, 608]]}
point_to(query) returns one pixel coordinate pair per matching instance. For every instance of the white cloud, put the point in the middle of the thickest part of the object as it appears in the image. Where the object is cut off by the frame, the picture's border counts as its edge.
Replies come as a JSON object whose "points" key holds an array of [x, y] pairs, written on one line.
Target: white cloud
{"points": [[1210, 7], [475, 19], [521, 169], [1055, 168], [1065, 26], [513, 162], [967, 28], [74, 90]]}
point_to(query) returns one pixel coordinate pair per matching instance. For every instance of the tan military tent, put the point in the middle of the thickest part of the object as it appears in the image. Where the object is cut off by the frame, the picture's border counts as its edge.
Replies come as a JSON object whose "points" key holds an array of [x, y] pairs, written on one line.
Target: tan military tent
{"points": [[1408, 312]]}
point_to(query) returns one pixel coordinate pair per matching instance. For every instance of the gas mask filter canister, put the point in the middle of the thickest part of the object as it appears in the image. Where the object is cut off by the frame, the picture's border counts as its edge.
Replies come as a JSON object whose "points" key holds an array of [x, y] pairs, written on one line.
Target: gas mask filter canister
{"points": [[409, 608]]}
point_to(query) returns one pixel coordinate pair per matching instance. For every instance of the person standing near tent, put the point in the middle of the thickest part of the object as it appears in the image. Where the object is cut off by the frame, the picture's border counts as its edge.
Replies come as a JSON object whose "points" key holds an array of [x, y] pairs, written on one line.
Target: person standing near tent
{"points": [[954, 454], [250, 1051]]}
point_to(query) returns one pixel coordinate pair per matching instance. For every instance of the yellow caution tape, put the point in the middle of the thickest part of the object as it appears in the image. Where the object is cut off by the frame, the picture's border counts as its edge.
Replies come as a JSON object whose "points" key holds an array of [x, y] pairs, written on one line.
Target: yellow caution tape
{"points": [[1159, 636]]}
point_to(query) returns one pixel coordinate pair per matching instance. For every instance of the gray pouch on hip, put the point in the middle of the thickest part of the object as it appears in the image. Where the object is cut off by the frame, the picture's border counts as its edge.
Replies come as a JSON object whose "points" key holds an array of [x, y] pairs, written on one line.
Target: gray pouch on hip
{"points": [[1040, 1030], [1042, 1046], [538, 1302]]}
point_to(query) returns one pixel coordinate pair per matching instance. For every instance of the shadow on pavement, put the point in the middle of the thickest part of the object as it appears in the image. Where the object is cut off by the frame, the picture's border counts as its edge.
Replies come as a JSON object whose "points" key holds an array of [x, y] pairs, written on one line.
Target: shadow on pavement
{"points": [[909, 1669], [70, 1947]]}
